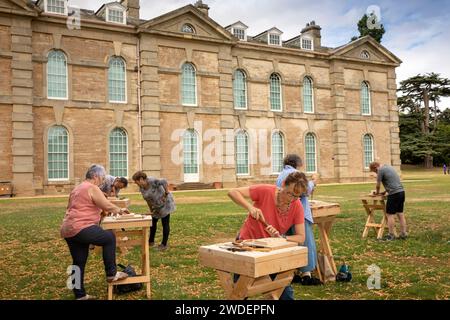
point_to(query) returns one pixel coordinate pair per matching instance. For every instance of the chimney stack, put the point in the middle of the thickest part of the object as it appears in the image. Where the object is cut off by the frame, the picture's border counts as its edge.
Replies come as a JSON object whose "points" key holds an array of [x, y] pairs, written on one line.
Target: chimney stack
{"points": [[203, 7], [313, 31], [132, 8]]}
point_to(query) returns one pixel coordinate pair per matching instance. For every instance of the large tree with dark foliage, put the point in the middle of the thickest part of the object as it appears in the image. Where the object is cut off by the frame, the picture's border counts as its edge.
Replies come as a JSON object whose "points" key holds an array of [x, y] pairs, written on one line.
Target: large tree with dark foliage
{"points": [[423, 127]]}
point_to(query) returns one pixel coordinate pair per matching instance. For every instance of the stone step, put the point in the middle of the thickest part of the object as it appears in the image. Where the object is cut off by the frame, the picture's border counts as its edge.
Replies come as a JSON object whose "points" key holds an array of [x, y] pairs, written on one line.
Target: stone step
{"points": [[196, 186]]}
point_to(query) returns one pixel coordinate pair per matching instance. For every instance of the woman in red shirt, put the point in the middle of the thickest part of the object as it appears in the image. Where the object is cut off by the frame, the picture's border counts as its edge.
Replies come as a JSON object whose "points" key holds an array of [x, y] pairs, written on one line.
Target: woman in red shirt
{"points": [[279, 208]]}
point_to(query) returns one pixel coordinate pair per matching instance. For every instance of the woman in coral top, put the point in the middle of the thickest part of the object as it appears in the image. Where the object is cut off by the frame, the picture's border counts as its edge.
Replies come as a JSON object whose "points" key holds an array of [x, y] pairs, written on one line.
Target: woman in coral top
{"points": [[279, 208], [80, 228]]}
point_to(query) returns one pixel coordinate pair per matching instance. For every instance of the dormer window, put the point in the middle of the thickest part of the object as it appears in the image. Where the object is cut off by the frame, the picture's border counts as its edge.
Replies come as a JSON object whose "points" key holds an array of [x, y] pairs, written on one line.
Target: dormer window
{"points": [[115, 15], [56, 6], [187, 28], [365, 55], [274, 39], [113, 12], [306, 44], [239, 33], [239, 30]]}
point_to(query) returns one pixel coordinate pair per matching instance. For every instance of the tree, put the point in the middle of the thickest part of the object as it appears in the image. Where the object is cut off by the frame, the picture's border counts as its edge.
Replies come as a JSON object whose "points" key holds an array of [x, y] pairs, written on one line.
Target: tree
{"points": [[419, 121], [369, 25]]}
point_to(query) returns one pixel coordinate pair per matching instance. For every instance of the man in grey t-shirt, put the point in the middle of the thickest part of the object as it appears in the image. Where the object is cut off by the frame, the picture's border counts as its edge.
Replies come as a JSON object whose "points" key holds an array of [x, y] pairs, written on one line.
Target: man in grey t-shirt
{"points": [[387, 176]]}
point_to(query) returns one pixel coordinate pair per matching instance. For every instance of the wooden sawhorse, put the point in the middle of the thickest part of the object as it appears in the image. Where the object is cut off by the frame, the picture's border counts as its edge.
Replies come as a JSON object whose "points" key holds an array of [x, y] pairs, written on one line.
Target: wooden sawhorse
{"points": [[254, 269], [143, 229], [324, 214], [371, 204]]}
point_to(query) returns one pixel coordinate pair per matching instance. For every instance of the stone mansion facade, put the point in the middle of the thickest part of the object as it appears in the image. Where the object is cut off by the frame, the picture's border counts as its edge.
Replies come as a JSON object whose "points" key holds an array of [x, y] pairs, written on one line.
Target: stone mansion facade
{"points": [[183, 98]]}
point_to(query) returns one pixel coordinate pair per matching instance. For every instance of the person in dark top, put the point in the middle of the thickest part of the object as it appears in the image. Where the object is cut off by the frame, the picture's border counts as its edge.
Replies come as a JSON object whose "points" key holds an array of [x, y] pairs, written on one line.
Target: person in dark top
{"points": [[387, 176], [160, 202]]}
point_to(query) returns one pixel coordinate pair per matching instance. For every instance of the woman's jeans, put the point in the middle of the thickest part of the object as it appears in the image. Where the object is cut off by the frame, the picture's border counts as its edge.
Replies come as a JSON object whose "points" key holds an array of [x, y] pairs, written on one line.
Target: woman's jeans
{"points": [[166, 229], [79, 249]]}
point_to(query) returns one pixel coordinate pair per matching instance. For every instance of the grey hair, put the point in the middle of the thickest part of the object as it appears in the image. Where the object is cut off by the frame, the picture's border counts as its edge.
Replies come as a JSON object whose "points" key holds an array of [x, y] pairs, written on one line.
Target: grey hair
{"points": [[95, 170]]}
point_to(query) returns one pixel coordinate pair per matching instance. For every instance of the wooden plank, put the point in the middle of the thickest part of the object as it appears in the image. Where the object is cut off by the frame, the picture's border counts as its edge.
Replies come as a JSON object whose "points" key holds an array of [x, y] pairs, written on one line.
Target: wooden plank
{"points": [[269, 287], [138, 279], [250, 256], [253, 264], [240, 290], [146, 252], [226, 280], [121, 203], [272, 243], [281, 264], [109, 224]]}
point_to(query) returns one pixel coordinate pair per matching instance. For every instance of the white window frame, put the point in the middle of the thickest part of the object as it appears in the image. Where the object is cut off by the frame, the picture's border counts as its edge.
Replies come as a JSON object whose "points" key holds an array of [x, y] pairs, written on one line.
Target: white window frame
{"points": [[312, 95], [240, 29], [273, 34], [62, 14], [361, 98], [198, 150], [67, 78], [364, 150], [309, 39], [271, 150], [108, 9], [68, 156], [245, 87], [315, 153], [281, 93], [196, 87], [364, 55], [126, 82], [190, 26], [248, 152], [128, 149]]}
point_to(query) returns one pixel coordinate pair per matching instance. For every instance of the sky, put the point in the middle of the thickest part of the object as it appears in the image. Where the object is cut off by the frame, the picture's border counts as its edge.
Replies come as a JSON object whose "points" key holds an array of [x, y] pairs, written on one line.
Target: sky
{"points": [[416, 30]]}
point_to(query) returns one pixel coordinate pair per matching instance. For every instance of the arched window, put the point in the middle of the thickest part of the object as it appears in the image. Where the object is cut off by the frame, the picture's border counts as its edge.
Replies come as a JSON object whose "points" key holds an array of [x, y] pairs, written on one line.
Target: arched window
{"points": [[365, 99], [365, 55], [308, 99], [187, 28], [190, 155], [368, 150], [277, 152], [275, 92], [240, 90], [58, 153], [242, 163], [117, 80], [188, 85], [118, 153], [310, 153], [56, 75]]}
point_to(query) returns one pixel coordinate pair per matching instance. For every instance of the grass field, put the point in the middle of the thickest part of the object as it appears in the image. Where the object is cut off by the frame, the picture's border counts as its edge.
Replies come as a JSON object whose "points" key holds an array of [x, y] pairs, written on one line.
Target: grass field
{"points": [[33, 259]]}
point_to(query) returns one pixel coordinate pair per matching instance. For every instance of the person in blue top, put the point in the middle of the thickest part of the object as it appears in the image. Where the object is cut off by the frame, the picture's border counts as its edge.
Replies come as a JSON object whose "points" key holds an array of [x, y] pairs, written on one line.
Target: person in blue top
{"points": [[290, 164]]}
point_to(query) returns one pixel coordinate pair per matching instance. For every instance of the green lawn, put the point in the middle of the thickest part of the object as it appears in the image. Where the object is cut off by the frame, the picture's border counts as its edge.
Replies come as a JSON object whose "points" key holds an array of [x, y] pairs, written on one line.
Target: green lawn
{"points": [[34, 259]]}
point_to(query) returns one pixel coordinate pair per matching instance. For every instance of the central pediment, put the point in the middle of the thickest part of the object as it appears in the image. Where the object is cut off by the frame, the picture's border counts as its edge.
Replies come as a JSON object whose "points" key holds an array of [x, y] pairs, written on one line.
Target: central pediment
{"points": [[189, 21]]}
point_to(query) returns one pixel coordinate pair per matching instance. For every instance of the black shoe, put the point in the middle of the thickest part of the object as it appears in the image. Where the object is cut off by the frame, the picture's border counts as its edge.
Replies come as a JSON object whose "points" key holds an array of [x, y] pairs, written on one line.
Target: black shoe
{"points": [[310, 281], [297, 279], [388, 237], [403, 236]]}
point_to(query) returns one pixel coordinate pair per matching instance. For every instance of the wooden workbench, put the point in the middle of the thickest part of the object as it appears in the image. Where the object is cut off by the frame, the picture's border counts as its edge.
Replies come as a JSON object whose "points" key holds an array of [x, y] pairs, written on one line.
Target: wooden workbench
{"points": [[254, 269], [121, 203], [324, 214], [141, 227], [371, 205]]}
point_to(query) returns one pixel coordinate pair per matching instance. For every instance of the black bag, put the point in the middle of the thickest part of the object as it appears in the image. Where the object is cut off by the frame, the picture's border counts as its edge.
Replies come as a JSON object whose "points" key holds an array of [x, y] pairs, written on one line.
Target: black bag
{"points": [[125, 288]]}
